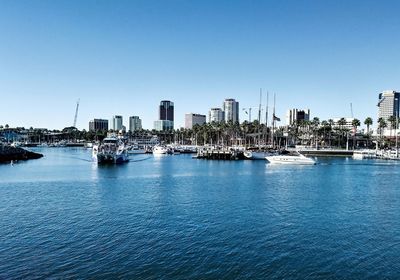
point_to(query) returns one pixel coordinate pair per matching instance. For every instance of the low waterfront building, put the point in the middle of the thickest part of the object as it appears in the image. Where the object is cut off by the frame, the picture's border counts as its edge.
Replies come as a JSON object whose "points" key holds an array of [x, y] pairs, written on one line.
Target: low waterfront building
{"points": [[348, 124], [296, 115], [163, 125], [193, 119], [135, 123], [216, 115], [98, 124]]}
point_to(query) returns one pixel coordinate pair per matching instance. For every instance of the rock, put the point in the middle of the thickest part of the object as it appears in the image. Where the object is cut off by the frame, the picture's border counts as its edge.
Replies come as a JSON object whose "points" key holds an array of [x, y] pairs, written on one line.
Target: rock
{"points": [[8, 153]]}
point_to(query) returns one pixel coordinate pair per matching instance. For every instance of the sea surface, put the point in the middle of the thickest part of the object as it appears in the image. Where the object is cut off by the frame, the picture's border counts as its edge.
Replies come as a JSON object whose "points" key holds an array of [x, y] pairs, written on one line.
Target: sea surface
{"points": [[174, 217]]}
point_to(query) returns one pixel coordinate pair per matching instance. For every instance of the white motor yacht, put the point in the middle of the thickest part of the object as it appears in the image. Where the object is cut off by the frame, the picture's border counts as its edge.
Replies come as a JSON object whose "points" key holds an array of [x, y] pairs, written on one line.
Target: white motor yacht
{"points": [[161, 150], [112, 150], [290, 158]]}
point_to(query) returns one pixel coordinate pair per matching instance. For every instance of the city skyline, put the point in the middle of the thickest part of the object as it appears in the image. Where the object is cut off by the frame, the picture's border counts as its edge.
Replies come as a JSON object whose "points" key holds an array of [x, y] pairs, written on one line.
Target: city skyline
{"points": [[122, 58]]}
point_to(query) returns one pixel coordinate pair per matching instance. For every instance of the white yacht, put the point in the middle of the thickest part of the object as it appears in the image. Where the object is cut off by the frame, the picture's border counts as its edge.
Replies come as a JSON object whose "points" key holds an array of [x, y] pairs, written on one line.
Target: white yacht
{"points": [[161, 150], [112, 150], [256, 155], [290, 158], [364, 154]]}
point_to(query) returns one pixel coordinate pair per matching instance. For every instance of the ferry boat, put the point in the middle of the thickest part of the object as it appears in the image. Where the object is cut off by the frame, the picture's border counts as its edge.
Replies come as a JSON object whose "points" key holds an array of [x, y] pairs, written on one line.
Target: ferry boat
{"points": [[291, 158], [112, 150]]}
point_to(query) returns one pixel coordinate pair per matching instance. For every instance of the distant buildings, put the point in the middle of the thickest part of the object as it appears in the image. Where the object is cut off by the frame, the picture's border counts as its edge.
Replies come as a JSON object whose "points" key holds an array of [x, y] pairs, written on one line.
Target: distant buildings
{"points": [[347, 125], [295, 115], [231, 110], [166, 116], [98, 124], [116, 123], [216, 115], [388, 105], [135, 123], [193, 119]]}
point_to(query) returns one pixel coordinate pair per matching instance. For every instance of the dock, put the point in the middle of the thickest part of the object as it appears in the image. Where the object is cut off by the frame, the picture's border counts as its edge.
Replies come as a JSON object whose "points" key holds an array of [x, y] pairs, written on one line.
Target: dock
{"points": [[219, 153]]}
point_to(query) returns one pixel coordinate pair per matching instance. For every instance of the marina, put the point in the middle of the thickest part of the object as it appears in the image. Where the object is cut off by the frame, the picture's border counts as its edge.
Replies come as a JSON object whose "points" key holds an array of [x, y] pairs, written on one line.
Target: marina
{"points": [[81, 219]]}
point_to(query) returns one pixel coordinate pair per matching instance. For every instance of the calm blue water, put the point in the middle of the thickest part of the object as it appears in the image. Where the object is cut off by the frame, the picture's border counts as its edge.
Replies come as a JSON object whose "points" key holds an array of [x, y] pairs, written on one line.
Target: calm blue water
{"points": [[174, 217]]}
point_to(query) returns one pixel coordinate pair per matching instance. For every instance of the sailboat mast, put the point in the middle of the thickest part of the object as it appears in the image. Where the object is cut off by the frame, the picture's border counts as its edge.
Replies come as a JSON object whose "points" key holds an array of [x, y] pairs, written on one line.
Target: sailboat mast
{"points": [[259, 120], [273, 124], [266, 119]]}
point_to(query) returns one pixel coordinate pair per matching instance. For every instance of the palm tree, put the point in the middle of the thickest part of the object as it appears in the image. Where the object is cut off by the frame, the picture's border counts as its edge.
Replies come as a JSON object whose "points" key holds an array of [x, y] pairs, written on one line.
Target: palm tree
{"points": [[392, 122], [381, 125], [342, 122], [368, 122], [355, 123]]}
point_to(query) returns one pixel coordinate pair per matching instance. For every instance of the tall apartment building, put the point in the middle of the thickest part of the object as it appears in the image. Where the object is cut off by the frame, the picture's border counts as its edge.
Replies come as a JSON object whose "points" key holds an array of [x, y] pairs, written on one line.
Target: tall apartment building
{"points": [[216, 115], [294, 115], [116, 123], [388, 104], [193, 119], [135, 123], [166, 111], [166, 116], [231, 110], [98, 124]]}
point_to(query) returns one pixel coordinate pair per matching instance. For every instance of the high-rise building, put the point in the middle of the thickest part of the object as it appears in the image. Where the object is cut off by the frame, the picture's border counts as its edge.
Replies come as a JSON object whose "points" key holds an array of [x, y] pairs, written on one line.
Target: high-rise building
{"points": [[163, 125], [388, 105], [295, 115], [98, 124], [116, 123], [216, 115], [135, 123], [166, 110], [193, 119], [166, 116], [231, 110]]}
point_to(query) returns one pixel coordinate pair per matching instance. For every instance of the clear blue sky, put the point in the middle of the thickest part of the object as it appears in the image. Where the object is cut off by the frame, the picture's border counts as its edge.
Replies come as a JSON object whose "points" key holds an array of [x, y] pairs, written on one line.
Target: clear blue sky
{"points": [[123, 57]]}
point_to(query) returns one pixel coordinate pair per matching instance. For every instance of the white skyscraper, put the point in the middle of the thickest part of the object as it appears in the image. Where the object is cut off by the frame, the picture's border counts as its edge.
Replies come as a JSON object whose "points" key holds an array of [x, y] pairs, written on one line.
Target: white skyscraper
{"points": [[135, 123], [116, 123], [231, 110], [388, 104], [216, 115]]}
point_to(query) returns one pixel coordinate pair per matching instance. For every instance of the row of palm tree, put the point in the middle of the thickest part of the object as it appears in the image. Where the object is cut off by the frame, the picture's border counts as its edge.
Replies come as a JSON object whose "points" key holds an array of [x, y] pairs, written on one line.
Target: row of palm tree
{"points": [[305, 132]]}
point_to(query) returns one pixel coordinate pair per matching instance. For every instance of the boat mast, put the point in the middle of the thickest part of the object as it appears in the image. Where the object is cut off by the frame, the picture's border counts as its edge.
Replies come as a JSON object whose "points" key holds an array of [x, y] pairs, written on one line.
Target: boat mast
{"points": [[266, 119], [259, 120], [273, 124]]}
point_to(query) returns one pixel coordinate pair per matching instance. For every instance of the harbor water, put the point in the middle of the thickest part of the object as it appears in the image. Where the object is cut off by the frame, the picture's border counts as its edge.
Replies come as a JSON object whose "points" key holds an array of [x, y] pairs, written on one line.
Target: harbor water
{"points": [[174, 217]]}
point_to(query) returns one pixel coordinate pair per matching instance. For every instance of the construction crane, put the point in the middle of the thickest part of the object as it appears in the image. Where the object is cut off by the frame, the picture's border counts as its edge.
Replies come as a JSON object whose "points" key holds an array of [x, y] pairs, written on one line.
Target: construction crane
{"points": [[351, 110], [76, 112]]}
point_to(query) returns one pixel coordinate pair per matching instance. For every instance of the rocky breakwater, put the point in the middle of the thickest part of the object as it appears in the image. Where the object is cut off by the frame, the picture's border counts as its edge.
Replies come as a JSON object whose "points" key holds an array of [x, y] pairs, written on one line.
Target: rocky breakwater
{"points": [[8, 153]]}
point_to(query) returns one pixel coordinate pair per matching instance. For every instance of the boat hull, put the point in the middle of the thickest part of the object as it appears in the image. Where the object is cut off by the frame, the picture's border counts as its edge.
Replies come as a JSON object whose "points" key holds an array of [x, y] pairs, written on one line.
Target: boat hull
{"points": [[290, 160]]}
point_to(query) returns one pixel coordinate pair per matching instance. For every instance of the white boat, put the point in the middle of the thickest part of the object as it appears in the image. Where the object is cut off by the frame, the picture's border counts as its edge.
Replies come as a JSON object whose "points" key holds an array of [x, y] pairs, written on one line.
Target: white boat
{"points": [[364, 154], [295, 158], [112, 150], [255, 155], [161, 150], [135, 149]]}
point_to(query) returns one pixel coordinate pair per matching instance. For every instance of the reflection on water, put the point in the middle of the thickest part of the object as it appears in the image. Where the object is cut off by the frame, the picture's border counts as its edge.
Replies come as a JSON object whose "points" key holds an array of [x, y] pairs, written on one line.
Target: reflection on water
{"points": [[64, 216]]}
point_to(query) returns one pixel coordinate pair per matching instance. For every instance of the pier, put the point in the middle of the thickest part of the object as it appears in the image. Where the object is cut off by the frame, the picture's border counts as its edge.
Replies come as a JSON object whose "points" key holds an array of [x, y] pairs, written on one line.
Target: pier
{"points": [[219, 153]]}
